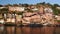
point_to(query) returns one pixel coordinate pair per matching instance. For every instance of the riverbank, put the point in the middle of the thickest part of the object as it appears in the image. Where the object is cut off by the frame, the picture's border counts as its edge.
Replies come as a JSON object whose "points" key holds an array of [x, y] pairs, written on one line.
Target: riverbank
{"points": [[31, 25]]}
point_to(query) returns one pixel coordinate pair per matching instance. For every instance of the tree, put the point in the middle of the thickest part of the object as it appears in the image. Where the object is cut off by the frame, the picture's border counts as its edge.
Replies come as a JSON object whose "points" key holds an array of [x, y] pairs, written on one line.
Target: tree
{"points": [[56, 11], [4, 10], [15, 5], [19, 13], [1, 5], [8, 5], [43, 3], [55, 5], [49, 4], [25, 5]]}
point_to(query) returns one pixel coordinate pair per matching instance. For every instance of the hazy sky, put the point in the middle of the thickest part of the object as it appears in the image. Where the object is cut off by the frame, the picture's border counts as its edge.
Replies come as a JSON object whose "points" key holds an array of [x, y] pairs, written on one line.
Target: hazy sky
{"points": [[28, 1]]}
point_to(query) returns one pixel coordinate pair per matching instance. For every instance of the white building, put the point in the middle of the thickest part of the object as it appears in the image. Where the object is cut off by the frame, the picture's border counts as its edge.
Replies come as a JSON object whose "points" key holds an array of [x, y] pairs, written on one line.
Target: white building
{"points": [[8, 20], [57, 17], [48, 10], [35, 9], [58, 7], [2, 21], [2, 7], [11, 20], [18, 18], [16, 8]]}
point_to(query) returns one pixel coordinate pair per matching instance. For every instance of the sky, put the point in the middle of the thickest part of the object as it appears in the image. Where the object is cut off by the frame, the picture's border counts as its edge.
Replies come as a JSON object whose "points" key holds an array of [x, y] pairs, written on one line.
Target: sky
{"points": [[4, 2]]}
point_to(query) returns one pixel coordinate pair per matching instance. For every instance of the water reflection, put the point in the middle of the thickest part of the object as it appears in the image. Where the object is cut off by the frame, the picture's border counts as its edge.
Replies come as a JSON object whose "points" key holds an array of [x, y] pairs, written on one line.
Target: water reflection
{"points": [[29, 30], [1, 29]]}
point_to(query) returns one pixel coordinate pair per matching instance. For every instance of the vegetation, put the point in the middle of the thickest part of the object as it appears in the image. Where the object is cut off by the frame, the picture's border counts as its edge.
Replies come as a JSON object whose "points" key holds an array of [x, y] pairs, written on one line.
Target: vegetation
{"points": [[55, 11], [20, 13], [4, 10], [1, 5], [58, 21]]}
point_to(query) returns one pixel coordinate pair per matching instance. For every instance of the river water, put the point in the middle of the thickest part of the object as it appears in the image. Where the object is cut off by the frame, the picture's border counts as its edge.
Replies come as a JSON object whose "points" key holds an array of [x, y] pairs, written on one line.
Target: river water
{"points": [[29, 30]]}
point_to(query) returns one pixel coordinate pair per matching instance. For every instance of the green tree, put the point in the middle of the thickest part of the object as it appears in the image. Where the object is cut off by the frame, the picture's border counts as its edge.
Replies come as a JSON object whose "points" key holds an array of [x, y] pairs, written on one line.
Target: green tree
{"points": [[56, 5], [25, 5], [7, 5], [56, 11], [1, 5], [15, 5], [4, 10]]}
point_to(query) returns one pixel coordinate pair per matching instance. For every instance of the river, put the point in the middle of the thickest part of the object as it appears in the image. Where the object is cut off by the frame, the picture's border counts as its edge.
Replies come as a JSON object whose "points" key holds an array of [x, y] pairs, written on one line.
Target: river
{"points": [[29, 30]]}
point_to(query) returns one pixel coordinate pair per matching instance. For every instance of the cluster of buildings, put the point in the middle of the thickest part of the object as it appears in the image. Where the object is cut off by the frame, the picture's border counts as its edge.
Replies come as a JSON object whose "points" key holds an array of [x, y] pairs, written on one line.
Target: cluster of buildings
{"points": [[29, 15]]}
